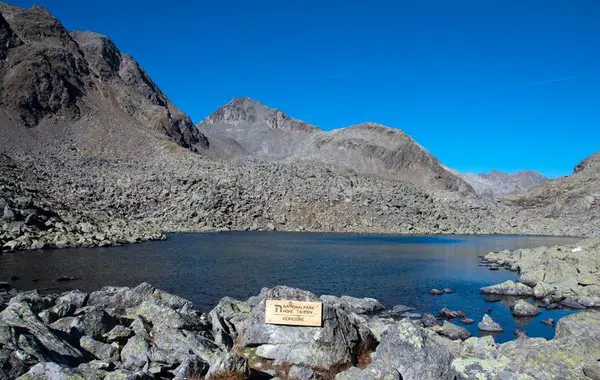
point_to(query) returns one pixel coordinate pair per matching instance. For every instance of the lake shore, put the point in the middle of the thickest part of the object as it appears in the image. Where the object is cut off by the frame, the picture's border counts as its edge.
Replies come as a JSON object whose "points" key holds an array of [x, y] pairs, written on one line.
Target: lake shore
{"points": [[144, 332]]}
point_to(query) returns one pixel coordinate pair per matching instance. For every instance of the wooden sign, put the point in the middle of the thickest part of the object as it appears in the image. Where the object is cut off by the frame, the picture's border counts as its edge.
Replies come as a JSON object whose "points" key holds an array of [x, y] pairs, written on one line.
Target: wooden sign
{"points": [[295, 313]]}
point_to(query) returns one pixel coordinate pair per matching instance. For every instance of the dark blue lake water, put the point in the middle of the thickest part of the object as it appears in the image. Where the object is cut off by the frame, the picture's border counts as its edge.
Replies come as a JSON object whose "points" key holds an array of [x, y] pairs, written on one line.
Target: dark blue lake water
{"points": [[204, 267]]}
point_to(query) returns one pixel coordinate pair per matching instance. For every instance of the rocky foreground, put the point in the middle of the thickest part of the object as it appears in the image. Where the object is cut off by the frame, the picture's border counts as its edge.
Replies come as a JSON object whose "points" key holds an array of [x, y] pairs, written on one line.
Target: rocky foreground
{"points": [[146, 333]]}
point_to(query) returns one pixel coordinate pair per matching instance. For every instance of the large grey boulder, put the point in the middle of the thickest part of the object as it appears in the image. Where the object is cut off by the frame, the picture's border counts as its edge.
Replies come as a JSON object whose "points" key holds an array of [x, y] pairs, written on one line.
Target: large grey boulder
{"points": [[508, 288], [353, 304], [336, 343], [30, 334], [226, 319], [135, 353], [524, 309], [409, 352]]}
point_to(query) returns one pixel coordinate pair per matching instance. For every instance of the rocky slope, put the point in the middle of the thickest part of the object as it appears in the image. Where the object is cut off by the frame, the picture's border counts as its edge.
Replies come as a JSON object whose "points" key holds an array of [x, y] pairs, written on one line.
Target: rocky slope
{"points": [[576, 196], [499, 184], [146, 333], [77, 91], [252, 129]]}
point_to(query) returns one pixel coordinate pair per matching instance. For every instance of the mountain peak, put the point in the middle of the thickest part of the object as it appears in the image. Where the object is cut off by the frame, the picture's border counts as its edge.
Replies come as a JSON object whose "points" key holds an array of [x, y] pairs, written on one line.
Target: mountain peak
{"points": [[247, 111]]}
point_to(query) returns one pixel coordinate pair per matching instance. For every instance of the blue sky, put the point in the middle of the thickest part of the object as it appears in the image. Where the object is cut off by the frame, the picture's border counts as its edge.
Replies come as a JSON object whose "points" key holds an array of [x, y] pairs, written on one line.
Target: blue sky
{"points": [[483, 85]]}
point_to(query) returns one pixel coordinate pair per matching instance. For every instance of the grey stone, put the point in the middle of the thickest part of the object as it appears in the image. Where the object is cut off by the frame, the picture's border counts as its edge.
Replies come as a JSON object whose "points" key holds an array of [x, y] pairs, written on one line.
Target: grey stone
{"points": [[508, 288], [102, 351], [451, 331], [406, 351], [524, 309], [488, 324], [135, 353]]}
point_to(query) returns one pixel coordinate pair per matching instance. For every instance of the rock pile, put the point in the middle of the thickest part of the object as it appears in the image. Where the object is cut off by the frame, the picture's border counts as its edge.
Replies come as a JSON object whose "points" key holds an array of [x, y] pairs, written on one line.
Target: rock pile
{"points": [[567, 276]]}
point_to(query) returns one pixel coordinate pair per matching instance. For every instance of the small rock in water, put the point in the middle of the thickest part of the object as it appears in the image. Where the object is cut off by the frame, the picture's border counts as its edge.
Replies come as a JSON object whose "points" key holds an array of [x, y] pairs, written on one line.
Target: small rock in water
{"points": [[489, 325], [524, 309], [449, 290], [436, 292], [551, 306], [15, 278], [451, 314], [495, 267], [35, 279], [549, 322], [66, 278], [467, 321], [4, 286]]}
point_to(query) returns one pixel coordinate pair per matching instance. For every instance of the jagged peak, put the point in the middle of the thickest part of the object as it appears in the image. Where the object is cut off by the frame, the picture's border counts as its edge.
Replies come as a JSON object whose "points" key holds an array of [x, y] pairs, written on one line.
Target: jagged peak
{"points": [[247, 110]]}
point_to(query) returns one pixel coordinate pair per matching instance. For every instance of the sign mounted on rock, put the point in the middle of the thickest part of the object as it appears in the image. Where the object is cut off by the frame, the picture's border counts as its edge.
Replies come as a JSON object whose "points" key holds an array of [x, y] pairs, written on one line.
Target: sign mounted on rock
{"points": [[295, 313]]}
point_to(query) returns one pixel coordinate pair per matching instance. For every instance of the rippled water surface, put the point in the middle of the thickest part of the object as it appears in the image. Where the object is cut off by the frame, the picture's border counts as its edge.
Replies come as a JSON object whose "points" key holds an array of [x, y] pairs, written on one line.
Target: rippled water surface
{"points": [[205, 267]]}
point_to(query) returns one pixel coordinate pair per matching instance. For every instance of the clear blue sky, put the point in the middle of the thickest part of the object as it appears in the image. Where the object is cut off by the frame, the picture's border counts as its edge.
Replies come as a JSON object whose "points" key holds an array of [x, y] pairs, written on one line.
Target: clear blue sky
{"points": [[482, 84]]}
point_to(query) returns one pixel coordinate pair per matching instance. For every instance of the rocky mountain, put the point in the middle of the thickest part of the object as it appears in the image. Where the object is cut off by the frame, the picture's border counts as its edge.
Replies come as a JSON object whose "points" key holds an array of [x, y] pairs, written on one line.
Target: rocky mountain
{"points": [[575, 196], [252, 129], [78, 91], [499, 184]]}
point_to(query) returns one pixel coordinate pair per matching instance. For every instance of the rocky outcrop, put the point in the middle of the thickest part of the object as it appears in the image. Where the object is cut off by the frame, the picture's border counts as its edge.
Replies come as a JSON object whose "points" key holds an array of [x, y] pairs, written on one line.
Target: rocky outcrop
{"points": [[499, 184], [561, 274], [574, 347]]}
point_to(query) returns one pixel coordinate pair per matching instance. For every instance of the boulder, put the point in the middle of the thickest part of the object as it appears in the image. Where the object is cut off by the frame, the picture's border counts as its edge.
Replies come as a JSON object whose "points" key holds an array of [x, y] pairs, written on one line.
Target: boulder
{"points": [[451, 314], [101, 351], [406, 351], [135, 353], [353, 304], [118, 334], [508, 288], [524, 309], [51, 371], [336, 343], [228, 363], [95, 322], [451, 331], [35, 338], [487, 324], [429, 320], [191, 368]]}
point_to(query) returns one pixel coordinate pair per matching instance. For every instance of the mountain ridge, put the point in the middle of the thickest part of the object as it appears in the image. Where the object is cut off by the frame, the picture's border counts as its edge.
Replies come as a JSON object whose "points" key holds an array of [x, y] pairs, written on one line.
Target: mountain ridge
{"points": [[500, 184], [369, 148]]}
